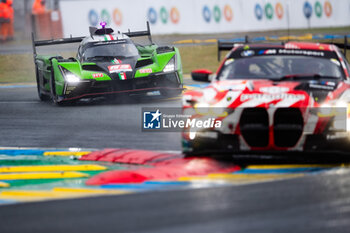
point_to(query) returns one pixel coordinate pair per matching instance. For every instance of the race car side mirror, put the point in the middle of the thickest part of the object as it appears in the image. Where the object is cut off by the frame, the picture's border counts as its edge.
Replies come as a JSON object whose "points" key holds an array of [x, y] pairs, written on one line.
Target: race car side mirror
{"points": [[201, 75]]}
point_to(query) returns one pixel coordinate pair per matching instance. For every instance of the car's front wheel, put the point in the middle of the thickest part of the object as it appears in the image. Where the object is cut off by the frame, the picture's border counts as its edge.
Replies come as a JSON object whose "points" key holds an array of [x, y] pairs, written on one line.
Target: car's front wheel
{"points": [[54, 96], [42, 96]]}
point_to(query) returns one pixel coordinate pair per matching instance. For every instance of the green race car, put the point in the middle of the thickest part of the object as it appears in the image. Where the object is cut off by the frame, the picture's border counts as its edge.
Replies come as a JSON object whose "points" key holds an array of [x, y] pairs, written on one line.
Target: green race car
{"points": [[107, 64]]}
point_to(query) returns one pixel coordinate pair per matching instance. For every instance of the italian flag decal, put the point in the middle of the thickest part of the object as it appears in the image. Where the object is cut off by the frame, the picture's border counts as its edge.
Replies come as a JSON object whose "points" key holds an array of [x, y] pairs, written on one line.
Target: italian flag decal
{"points": [[122, 76], [108, 37]]}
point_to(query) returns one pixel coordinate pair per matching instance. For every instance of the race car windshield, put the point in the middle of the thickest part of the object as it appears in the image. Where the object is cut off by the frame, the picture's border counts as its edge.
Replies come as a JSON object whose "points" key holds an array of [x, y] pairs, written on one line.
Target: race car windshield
{"points": [[280, 67], [107, 50]]}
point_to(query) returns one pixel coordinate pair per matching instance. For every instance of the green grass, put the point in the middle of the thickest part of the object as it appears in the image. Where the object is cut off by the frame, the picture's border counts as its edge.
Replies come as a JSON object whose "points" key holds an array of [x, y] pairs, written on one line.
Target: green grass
{"points": [[199, 57], [16, 68]]}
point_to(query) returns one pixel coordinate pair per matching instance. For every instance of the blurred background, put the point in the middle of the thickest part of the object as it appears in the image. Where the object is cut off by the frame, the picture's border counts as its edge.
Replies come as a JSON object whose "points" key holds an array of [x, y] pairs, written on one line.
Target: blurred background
{"points": [[55, 18], [192, 25]]}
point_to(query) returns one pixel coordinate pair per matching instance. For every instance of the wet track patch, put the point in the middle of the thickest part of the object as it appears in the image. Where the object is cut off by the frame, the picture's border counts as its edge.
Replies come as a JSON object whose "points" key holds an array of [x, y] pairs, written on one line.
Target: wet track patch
{"points": [[41, 174]]}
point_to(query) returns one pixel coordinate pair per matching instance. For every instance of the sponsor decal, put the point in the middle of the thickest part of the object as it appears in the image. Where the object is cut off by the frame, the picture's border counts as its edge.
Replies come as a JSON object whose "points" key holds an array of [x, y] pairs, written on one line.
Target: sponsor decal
{"points": [[174, 15], [106, 16], [152, 15], [258, 12], [247, 53], [327, 8], [274, 90], [119, 68], [97, 75], [268, 10], [272, 97], [307, 10], [93, 18], [69, 89], [318, 9], [228, 14], [216, 13], [145, 71], [279, 10], [164, 15], [291, 46], [325, 87], [301, 52], [117, 17], [267, 51], [329, 83], [206, 14], [110, 41]]}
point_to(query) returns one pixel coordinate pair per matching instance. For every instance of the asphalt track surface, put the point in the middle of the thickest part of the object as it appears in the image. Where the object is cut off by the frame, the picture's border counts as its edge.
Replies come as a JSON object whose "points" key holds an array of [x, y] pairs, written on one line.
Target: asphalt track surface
{"points": [[316, 203], [27, 122]]}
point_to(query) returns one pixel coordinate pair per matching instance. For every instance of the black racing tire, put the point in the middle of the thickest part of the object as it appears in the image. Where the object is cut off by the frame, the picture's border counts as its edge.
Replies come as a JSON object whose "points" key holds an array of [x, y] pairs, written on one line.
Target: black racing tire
{"points": [[54, 96], [42, 96]]}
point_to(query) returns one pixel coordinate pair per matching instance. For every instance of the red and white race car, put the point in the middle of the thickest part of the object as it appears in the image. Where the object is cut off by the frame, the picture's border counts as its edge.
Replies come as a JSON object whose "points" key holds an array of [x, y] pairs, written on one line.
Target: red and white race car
{"points": [[272, 97]]}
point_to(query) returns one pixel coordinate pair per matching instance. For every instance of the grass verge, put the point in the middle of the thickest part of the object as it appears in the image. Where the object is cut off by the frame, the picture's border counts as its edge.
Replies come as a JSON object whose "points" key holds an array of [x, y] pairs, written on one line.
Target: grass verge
{"points": [[19, 68]]}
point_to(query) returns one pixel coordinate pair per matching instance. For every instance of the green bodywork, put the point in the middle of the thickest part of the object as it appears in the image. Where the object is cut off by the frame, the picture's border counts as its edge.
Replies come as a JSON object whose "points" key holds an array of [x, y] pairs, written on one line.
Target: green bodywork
{"points": [[48, 65]]}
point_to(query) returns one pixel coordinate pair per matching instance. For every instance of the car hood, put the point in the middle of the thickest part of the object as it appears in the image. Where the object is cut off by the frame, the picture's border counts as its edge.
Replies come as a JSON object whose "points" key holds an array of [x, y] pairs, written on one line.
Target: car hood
{"points": [[264, 93], [114, 67]]}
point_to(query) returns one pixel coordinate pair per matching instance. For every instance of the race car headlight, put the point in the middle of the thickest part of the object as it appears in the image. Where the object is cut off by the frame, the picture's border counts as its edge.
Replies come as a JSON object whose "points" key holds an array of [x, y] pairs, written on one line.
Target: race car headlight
{"points": [[192, 135], [332, 109], [325, 110], [170, 66], [210, 111], [338, 111], [72, 78], [69, 76]]}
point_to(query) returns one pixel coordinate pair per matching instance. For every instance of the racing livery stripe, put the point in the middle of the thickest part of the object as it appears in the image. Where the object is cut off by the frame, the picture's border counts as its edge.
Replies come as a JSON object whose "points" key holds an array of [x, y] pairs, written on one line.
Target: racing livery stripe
{"points": [[108, 37]]}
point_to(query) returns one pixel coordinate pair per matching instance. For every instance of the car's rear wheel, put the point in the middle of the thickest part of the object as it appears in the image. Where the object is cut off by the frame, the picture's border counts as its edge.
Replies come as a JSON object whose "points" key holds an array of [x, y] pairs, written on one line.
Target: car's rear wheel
{"points": [[42, 96]]}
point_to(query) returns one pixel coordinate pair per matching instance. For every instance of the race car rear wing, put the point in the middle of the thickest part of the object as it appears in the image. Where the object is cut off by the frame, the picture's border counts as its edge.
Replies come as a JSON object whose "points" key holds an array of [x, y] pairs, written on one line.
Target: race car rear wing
{"points": [[140, 33], [228, 44], [36, 43]]}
